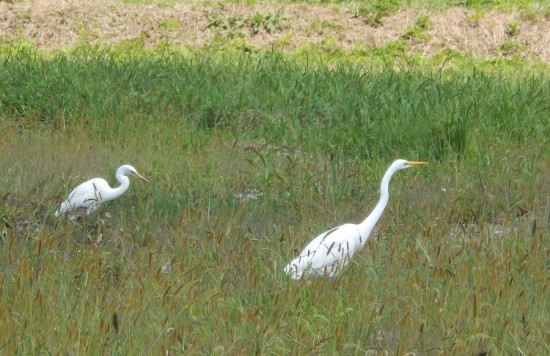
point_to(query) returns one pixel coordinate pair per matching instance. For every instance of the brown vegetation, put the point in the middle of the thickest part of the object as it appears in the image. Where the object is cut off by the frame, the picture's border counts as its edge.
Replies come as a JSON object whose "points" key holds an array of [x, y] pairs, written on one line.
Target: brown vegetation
{"points": [[50, 24]]}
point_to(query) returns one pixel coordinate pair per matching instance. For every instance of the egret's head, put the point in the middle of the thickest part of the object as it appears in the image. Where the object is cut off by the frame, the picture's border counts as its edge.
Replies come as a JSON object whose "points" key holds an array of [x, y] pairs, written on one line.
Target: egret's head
{"points": [[127, 169]]}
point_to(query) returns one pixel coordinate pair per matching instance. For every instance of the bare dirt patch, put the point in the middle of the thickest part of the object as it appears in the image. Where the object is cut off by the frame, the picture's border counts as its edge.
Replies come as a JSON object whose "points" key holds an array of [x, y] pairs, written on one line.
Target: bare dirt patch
{"points": [[51, 24]]}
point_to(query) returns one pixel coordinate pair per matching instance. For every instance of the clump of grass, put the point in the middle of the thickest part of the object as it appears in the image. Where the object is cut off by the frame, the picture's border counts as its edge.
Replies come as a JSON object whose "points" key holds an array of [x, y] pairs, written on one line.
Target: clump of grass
{"points": [[170, 25], [373, 13], [417, 31], [321, 25], [476, 16], [512, 29], [269, 22], [229, 26], [511, 48], [233, 26]]}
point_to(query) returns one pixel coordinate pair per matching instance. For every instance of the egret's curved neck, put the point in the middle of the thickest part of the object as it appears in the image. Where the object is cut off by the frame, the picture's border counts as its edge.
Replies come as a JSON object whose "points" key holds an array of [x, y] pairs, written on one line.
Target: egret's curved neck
{"points": [[114, 193], [365, 228]]}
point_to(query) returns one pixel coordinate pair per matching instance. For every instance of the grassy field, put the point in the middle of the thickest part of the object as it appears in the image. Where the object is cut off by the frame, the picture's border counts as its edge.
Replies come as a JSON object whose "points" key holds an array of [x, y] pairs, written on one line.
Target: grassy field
{"points": [[249, 157]]}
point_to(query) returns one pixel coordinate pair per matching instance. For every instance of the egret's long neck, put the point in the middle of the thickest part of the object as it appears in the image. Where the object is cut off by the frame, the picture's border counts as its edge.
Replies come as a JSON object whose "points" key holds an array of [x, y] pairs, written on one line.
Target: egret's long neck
{"points": [[114, 193], [365, 228]]}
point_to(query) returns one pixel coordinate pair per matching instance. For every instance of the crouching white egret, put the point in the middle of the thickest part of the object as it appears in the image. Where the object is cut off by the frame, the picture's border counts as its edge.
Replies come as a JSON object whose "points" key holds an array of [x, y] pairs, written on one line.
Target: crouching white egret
{"points": [[88, 196], [330, 252]]}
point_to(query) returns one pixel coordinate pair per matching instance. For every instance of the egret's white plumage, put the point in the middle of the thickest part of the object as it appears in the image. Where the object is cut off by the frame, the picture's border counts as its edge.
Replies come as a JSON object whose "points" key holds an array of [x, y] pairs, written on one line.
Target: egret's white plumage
{"points": [[88, 196], [330, 252]]}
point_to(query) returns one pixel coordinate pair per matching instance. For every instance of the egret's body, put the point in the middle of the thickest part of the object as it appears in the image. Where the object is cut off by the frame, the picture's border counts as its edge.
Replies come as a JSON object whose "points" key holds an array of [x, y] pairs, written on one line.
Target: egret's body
{"points": [[88, 196], [330, 252]]}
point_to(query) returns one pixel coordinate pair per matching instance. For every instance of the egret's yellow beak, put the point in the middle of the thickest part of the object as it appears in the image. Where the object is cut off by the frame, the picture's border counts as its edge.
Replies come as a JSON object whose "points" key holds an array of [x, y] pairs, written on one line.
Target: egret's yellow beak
{"points": [[414, 163], [141, 177]]}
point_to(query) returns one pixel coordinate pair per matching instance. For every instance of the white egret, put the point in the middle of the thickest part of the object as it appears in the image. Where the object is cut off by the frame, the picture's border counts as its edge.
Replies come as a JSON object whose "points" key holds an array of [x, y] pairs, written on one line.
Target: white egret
{"points": [[330, 252], [88, 196]]}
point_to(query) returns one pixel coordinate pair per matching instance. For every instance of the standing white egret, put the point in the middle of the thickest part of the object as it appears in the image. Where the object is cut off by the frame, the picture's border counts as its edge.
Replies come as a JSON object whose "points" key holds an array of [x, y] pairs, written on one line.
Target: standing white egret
{"points": [[330, 252], [88, 196]]}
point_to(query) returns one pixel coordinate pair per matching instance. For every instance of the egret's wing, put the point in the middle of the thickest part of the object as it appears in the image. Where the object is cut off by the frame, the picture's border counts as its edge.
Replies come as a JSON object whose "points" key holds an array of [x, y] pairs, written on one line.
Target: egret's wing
{"points": [[327, 254], [86, 196], [335, 250]]}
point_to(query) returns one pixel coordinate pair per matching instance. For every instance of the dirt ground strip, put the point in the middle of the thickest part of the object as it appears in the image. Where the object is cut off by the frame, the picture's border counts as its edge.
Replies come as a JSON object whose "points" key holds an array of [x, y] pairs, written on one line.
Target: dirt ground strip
{"points": [[53, 23]]}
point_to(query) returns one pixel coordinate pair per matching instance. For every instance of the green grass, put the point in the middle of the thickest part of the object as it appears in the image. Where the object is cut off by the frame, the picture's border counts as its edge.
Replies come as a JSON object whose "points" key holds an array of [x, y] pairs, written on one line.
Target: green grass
{"points": [[379, 5], [373, 11], [447, 115], [460, 264]]}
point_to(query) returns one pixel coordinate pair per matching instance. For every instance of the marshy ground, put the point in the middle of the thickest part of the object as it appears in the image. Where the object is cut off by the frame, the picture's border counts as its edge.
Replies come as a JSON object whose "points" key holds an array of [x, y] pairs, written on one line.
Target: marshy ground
{"points": [[252, 152]]}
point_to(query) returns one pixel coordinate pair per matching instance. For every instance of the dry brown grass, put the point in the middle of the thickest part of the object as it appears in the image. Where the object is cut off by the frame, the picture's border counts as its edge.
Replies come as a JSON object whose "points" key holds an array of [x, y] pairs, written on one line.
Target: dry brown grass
{"points": [[50, 24]]}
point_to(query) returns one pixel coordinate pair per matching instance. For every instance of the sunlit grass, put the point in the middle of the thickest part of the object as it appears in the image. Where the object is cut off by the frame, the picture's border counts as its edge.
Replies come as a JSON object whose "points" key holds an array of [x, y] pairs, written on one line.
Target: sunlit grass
{"points": [[379, 5], [459, 262], [447, 115]]}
